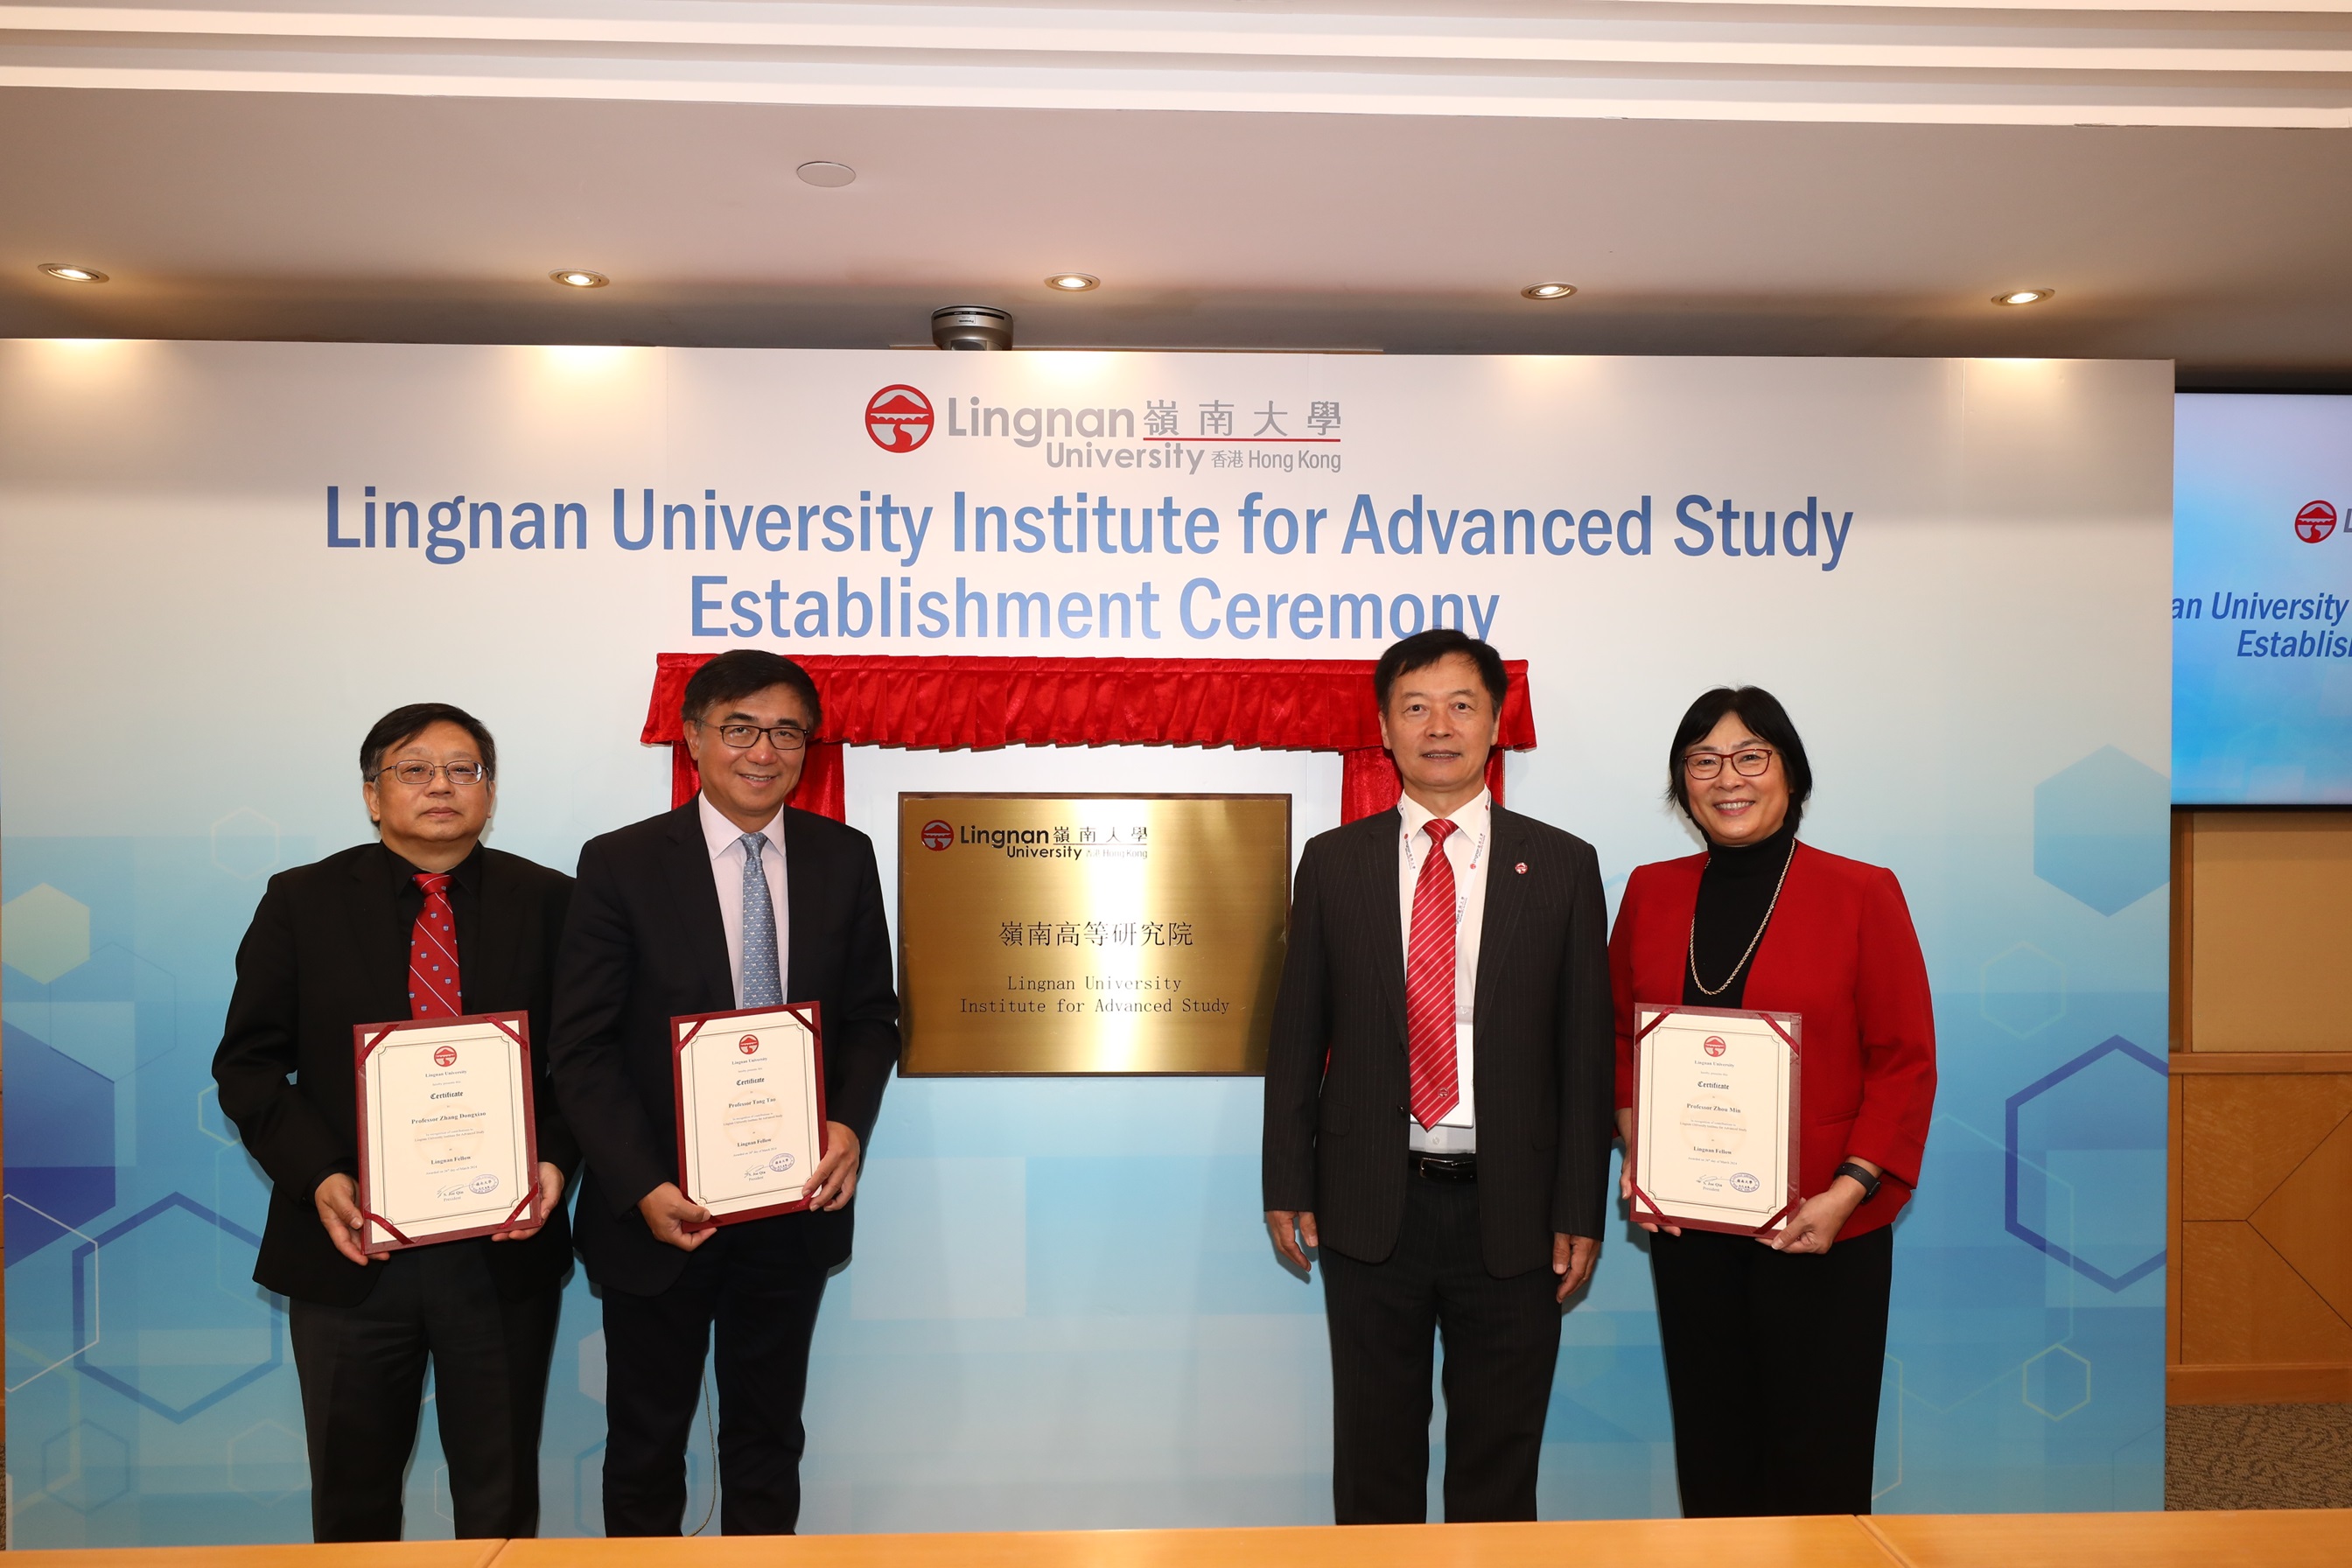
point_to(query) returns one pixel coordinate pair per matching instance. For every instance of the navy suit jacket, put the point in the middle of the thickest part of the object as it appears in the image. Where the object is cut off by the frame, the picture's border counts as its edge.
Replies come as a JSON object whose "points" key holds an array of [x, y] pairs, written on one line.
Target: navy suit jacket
{"points": [[645, 943]]}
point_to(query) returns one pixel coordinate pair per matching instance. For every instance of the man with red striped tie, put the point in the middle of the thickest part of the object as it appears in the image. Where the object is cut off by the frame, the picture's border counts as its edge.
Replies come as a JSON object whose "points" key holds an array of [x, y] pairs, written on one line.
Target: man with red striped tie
{"points": [[422, 921], [1437, 1101]]}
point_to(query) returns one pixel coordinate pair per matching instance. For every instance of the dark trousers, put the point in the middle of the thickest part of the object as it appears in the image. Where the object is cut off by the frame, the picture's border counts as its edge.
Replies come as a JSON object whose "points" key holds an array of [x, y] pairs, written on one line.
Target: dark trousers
{"points": [[1501, 1337], [756, 1285], [362, 1373], [1772, 1367]]}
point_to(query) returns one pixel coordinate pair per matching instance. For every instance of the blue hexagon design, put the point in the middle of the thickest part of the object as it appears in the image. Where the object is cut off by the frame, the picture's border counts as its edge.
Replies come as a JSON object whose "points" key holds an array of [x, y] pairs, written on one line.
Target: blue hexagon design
{"points": [[59, 1117], [2056, 1382], [85, 1467], [138, 1282], [2022, 990], [2089, 1127], [2100, 830]]}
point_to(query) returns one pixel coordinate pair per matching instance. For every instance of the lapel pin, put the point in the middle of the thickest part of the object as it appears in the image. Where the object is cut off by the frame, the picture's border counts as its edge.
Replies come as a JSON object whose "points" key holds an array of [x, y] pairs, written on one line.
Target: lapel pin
{"points": [[1523, 867]]}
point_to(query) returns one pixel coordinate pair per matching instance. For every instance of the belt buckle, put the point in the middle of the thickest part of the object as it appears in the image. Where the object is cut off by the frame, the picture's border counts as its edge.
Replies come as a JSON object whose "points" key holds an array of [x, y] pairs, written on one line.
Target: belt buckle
{"points": [[1446, 1167]]}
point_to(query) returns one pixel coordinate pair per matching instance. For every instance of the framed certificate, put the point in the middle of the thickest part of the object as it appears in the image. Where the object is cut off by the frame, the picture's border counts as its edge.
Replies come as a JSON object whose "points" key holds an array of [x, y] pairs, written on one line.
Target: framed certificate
{"points": [[449, 1146], [751, 1108], [1716, 1096]]}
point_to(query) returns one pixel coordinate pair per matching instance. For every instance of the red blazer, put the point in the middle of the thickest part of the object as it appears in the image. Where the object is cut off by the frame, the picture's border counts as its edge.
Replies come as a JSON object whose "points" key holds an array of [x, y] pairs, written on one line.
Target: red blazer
{"points": [[1842, 954]]}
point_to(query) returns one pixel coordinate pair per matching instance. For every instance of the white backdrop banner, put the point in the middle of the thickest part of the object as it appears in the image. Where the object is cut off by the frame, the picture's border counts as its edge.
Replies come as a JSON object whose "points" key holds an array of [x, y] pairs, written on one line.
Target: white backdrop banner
{"points": [[220, 562]]}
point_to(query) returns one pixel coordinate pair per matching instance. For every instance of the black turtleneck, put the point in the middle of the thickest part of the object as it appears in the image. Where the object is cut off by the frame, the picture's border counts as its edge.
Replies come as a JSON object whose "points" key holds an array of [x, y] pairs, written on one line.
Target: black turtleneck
{"points": [[1735, 892]]}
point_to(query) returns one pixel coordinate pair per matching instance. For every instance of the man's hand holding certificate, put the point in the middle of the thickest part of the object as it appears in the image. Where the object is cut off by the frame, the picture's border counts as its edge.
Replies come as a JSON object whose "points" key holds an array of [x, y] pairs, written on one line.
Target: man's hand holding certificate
{"points": [[447, 1147], [1713, 1137], [752, 1139]]}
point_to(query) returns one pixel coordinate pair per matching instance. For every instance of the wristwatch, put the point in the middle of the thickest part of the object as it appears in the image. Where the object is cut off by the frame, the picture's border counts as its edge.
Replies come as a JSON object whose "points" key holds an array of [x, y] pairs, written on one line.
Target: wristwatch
{"points": [[1869, 1183]]}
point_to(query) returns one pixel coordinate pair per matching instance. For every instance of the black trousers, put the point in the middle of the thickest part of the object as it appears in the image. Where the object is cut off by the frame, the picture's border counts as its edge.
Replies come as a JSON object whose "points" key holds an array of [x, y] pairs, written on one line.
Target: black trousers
{"points": [[362, 1373], [1501, 1337], [1773, 1361], [756, 1285]]}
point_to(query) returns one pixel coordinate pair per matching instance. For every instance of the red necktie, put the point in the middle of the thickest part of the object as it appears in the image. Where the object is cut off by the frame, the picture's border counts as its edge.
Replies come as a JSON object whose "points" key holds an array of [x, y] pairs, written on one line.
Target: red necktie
{"points": [[433, 954], [1429, 984]]}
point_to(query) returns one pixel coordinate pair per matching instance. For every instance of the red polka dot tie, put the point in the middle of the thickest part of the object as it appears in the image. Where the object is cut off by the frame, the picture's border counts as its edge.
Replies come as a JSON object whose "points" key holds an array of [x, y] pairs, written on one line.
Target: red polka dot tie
{"points": [[1429, 984], [433, 954]]}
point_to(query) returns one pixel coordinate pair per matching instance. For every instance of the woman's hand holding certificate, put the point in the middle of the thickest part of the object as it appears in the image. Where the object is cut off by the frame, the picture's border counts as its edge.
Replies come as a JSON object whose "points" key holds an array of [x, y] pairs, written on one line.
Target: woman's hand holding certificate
{"points": [[1711, 1134]]}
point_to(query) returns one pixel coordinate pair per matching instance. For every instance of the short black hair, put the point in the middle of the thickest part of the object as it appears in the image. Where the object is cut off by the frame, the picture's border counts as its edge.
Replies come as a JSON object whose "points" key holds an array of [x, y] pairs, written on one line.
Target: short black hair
{"points": [[1422, 650], [404, 723], [740, 672], [1762, 713]]}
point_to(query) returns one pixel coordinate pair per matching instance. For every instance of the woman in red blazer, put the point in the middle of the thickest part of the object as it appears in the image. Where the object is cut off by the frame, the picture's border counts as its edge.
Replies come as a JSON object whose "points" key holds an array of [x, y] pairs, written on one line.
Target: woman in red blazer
{"points": [[1774, 1346]]}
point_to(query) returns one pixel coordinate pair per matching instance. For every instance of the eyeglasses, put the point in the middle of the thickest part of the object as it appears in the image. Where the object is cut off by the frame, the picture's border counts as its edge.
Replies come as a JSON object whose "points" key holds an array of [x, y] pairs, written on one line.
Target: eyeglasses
{"points": [[1748, 762], [743, 737], [417, 774]]}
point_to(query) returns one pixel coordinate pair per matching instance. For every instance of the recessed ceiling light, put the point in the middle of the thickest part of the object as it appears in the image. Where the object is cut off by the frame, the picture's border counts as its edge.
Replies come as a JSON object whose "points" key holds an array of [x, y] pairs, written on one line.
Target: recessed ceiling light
{"points": [[1547, 291], [1074, 283], [578, 277], [2023, 296], [826, 174], [71, 273]]}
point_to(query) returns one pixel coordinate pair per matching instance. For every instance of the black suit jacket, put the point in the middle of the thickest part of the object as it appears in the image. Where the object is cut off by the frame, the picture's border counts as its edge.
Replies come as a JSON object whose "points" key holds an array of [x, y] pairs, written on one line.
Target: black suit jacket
{"points": [[328, 950], [646, 944], [1542, 1044]]}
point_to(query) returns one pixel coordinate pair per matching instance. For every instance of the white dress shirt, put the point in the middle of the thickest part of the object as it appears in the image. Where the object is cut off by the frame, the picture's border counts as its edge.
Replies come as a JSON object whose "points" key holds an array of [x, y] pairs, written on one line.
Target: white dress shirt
{"points": [[726, 842], [1457, 1132]]}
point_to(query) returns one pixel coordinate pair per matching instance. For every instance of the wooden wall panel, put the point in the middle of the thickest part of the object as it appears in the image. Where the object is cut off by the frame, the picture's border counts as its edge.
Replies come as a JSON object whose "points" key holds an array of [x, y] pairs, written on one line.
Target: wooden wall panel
{"points": [[2259, 1290], [2240, 1136], [2241, 1305], [2264, 956]]}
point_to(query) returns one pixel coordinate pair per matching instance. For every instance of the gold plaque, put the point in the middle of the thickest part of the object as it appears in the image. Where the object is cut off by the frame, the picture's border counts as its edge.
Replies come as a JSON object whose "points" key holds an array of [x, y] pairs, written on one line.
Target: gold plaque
{"points": [[1100, 933]]}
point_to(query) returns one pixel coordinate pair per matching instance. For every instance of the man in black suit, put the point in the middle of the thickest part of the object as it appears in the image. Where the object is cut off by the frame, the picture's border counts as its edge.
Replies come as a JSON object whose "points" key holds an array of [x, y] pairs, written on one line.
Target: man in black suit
{"points": [[730, 901], [356, 938], [1437, 1116]]}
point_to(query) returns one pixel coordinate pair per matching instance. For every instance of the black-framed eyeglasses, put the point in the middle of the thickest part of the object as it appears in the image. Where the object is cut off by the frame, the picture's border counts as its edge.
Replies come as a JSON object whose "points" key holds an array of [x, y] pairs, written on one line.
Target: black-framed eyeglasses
{"points": [[416, 774], [1748, 762], [743, 737]]}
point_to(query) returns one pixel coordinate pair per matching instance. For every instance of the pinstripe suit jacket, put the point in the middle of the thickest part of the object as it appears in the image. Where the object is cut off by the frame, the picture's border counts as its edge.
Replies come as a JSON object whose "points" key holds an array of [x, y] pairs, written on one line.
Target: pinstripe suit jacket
{"points": [[1337, 1085]]}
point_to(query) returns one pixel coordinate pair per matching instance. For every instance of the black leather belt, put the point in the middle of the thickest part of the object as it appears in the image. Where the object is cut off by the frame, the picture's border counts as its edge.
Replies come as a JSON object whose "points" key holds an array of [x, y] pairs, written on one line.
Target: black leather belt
{"points": [[1445, 1167]]}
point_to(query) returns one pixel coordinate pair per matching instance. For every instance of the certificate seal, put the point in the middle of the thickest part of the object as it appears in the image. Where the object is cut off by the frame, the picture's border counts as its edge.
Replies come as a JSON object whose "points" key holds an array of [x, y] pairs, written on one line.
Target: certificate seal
{"points": [[485, 1183], [1744, 1182], [780, 1163], [1714, 1046], [445, 1056], [748, 1045]]}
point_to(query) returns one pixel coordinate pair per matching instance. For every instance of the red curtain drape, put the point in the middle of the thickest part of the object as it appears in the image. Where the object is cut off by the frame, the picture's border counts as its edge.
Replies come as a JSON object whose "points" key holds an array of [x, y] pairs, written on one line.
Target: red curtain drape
{"points": [[971, 702]]}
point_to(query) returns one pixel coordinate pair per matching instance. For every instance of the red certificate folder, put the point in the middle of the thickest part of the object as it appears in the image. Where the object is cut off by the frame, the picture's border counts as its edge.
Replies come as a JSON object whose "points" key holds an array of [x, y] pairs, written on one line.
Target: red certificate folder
{"points": [[730, 1073], [448, 1141], [1705, 1115]]}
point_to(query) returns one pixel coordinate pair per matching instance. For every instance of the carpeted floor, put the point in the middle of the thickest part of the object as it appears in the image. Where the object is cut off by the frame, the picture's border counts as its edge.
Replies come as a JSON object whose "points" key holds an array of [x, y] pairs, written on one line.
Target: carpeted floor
{"points": [[2258, 1455]]}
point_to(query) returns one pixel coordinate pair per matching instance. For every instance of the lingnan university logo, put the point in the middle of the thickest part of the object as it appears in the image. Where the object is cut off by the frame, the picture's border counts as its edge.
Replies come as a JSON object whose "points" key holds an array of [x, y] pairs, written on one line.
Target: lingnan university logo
{"points": [[937, 835], [2314, 522], [748, 1045], [445, 1056], [898, 418], [1715, 1046]]}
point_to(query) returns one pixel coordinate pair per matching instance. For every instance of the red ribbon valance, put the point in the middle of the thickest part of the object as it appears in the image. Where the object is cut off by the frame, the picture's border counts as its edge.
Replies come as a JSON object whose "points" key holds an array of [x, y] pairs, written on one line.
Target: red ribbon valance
{"points": [[956, 702]]}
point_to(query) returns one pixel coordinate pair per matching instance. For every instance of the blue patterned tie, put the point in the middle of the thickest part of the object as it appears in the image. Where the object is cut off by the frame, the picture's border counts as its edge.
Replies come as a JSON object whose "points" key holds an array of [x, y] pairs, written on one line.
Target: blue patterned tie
{"points": [[761, 986]]}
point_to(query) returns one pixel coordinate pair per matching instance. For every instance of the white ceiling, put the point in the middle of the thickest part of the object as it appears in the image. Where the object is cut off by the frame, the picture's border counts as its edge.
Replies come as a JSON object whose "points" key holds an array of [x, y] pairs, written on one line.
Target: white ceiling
{"points": [[1721, 178]]}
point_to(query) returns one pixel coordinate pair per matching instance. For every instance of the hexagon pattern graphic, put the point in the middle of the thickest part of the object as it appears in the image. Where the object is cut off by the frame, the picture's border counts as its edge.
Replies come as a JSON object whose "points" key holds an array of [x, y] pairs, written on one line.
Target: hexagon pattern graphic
{"points": [[44, 934], [592, 1365], [229, 1342], [2022, 990], [267, 1463], [2080, 1104], [2057, 1382], [2099, 830], [85, 1467], [60, 1125], [48, 1325], [244, 844]]}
